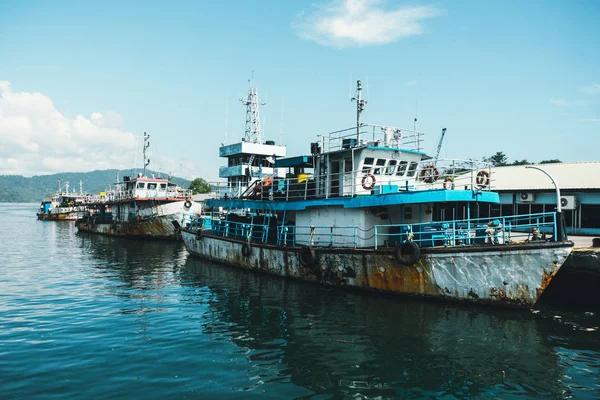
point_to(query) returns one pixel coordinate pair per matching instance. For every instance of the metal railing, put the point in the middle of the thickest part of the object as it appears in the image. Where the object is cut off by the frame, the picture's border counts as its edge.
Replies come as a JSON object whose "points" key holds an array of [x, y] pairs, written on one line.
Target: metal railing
{"points": [[119, 195], [476, 231], [318, 236], [372, 135], [392, 177], [495, 230]]}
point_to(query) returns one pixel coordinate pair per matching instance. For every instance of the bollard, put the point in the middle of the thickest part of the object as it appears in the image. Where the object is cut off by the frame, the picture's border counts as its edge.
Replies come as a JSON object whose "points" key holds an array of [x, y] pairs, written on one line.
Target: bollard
{"points": [[596, 242]]}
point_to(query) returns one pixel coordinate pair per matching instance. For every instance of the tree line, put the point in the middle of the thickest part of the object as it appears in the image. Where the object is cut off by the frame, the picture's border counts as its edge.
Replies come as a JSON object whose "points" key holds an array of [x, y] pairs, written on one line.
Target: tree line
{"points": [[500, 159]]}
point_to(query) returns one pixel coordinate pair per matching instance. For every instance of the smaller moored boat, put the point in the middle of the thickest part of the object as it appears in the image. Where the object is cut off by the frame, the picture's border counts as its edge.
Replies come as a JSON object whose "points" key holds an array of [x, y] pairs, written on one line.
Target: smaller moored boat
{"points": [[140, 206], [63, 205]]}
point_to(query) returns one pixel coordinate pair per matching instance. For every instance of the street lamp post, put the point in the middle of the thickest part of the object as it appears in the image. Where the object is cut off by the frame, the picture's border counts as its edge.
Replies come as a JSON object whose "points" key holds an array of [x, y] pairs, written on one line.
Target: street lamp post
{"points": [[561, 231]]}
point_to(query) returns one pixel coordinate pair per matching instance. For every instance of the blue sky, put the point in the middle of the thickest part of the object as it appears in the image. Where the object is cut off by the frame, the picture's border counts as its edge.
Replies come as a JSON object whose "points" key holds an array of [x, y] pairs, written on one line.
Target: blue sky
{"points": [[79, 80]]}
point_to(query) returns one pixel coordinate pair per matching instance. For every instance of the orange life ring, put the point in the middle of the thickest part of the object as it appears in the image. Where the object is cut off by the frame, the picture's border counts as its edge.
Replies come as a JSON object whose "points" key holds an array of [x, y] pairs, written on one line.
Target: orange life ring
{"points": [[368, 185], [429, 174], [482, 179], [448, 182]]}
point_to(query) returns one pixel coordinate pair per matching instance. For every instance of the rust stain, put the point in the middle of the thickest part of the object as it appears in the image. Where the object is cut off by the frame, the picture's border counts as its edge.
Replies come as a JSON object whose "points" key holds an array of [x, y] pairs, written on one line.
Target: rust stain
{"points": [[383, 273]]}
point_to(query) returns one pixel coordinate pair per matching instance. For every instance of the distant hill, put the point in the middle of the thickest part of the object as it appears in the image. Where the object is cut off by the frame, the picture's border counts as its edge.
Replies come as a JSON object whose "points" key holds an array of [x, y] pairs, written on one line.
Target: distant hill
{"points": [[17, 188]]}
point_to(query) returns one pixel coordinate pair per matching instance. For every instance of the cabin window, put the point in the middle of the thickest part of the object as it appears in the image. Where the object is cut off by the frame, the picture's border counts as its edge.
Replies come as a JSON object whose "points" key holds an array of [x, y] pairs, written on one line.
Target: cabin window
{"points": [[348, 165], [412, 169], [408, 213], [391, 167], [402, 168], [367, 165], [163, 186], [141, 185], [380, 164], [151, 186]]}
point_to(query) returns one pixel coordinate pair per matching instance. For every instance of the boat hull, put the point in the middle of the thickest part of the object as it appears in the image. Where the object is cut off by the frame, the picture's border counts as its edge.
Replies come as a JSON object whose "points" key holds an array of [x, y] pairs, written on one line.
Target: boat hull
{"points": [[508, 275], [62, 216], [155, 223]]}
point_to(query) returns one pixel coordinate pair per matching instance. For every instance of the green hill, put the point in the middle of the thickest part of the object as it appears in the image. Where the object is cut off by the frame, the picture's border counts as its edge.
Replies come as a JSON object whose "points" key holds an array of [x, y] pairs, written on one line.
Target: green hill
{"points": [[17, 188]]}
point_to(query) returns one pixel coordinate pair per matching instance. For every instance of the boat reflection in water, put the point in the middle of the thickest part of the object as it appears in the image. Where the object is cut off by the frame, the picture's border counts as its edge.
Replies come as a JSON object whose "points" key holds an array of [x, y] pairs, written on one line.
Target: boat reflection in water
{"points": [[342, 344]]}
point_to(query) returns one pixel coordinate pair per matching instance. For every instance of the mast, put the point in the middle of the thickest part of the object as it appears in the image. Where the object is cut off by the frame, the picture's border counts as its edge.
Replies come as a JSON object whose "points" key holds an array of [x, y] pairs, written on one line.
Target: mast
{"points": [[360, 106], [252, 133], [146, 145]]}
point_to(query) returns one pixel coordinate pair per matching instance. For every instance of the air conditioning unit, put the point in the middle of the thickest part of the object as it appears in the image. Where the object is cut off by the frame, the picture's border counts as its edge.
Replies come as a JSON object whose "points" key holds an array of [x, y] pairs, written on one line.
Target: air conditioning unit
{"points": [[526, 197], [568, 202]]}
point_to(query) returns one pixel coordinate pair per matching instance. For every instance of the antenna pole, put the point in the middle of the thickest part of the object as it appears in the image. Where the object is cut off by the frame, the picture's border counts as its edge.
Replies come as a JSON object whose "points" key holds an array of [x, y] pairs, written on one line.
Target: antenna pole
{"points": [[253, 132], [360, 106], [146, 145]]}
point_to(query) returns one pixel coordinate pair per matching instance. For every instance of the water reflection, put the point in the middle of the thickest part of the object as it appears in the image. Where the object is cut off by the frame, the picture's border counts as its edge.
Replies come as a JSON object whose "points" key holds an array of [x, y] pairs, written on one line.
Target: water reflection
{"points": [[345, 344]]}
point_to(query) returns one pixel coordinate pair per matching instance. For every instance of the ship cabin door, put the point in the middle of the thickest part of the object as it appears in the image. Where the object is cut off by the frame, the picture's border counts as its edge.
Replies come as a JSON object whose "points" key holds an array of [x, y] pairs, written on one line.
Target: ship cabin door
{"points": [[335, 178], [348, 183]]}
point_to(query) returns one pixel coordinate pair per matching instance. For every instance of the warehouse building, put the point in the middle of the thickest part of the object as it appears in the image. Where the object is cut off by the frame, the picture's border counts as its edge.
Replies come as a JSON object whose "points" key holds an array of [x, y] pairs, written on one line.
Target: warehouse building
{"points": [[527, 191]]}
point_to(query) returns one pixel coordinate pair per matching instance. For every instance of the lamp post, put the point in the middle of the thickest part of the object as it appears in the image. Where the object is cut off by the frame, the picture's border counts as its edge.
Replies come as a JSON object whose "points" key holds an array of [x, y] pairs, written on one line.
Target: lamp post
{"points": [[561, 234]]}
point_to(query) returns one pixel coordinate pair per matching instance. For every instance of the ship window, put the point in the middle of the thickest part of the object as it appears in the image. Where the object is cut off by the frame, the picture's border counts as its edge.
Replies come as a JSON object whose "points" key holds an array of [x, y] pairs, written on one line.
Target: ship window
{"points": [[141, 185], [402, 168], [412, 169], [348, 165], [151, 186], [367, 165], [391, 167], [163, 186], [380, 163]]}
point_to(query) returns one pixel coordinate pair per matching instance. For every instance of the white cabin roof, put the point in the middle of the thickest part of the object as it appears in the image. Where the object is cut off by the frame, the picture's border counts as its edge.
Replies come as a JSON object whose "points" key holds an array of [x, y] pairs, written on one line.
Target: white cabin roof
{"points": [[571, 175]]}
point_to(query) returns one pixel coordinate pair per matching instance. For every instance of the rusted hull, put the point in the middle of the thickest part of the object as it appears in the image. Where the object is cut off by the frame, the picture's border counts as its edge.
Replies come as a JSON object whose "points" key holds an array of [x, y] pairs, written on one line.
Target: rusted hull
{"points": [[505, 275], [157, 223], [68, 216]]}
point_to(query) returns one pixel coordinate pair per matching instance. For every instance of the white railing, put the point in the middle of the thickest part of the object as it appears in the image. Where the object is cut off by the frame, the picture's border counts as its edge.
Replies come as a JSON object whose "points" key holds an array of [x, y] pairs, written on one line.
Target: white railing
{"points": [[372, 135], [114, 195], [393, 177]]}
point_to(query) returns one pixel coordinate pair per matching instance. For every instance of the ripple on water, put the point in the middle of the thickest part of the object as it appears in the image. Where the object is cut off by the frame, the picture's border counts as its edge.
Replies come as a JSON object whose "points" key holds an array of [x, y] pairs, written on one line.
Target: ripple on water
{"points": [[86, 316]]}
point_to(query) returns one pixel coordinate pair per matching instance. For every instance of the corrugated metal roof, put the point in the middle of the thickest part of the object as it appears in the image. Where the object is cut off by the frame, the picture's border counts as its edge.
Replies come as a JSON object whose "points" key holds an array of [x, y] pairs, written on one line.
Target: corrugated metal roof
{"points": [[575, 175]]}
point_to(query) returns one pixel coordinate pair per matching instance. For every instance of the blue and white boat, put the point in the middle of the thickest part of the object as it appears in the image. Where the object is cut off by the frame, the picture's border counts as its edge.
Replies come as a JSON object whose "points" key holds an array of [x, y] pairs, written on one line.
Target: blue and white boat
{"points": [[368, 209]]}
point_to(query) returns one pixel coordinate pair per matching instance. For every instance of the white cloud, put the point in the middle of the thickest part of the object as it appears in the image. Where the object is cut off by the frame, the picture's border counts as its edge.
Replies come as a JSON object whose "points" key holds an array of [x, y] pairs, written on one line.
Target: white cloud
{"points": [[411, 83], [592, 120], [559, 102], [35, 138], [343, 23], [591, 89]]}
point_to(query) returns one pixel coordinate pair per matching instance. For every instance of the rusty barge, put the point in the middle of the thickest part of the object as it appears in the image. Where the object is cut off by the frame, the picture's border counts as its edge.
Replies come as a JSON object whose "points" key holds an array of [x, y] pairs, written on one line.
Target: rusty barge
{"points": [[368, 209], [140, 206]]}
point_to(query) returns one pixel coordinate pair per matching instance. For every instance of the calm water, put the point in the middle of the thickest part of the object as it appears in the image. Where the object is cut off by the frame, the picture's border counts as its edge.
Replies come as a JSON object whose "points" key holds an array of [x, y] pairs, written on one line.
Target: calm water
{"points": [[90, 317]]}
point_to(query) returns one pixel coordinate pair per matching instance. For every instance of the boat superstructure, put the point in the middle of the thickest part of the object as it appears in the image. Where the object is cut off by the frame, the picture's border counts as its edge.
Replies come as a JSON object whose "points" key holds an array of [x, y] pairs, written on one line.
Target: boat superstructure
{"points": [[140, 206], [64, 205], [368, 209], [252, 159]]}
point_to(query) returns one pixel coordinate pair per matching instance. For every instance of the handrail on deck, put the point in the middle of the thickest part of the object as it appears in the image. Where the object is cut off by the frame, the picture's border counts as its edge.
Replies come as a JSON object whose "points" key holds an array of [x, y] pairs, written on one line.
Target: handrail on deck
{"points": [[490, 230], [393, 177]]}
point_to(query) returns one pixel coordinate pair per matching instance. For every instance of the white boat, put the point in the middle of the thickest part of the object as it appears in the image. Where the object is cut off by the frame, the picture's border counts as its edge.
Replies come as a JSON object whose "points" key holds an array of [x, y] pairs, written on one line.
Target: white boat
{"points": [[140, 206], [369, 210], [64, 205]]}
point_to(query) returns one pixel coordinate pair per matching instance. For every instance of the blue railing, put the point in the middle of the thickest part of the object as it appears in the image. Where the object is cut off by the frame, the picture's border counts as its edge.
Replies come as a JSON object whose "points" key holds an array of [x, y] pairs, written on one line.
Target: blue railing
{"points": [[495, 230], [318, 236], [237, 230]]}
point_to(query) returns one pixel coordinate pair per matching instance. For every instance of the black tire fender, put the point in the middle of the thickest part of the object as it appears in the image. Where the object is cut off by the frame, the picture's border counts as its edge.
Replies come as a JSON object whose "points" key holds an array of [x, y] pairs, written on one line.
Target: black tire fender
{"points": [[307, 256], [246, 250], [199, 234], [408, 253]]}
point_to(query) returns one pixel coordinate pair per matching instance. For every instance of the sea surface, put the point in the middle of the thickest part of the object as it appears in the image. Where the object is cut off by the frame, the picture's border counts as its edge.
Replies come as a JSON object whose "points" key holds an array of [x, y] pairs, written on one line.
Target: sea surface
{"points": [[92, 317]]}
